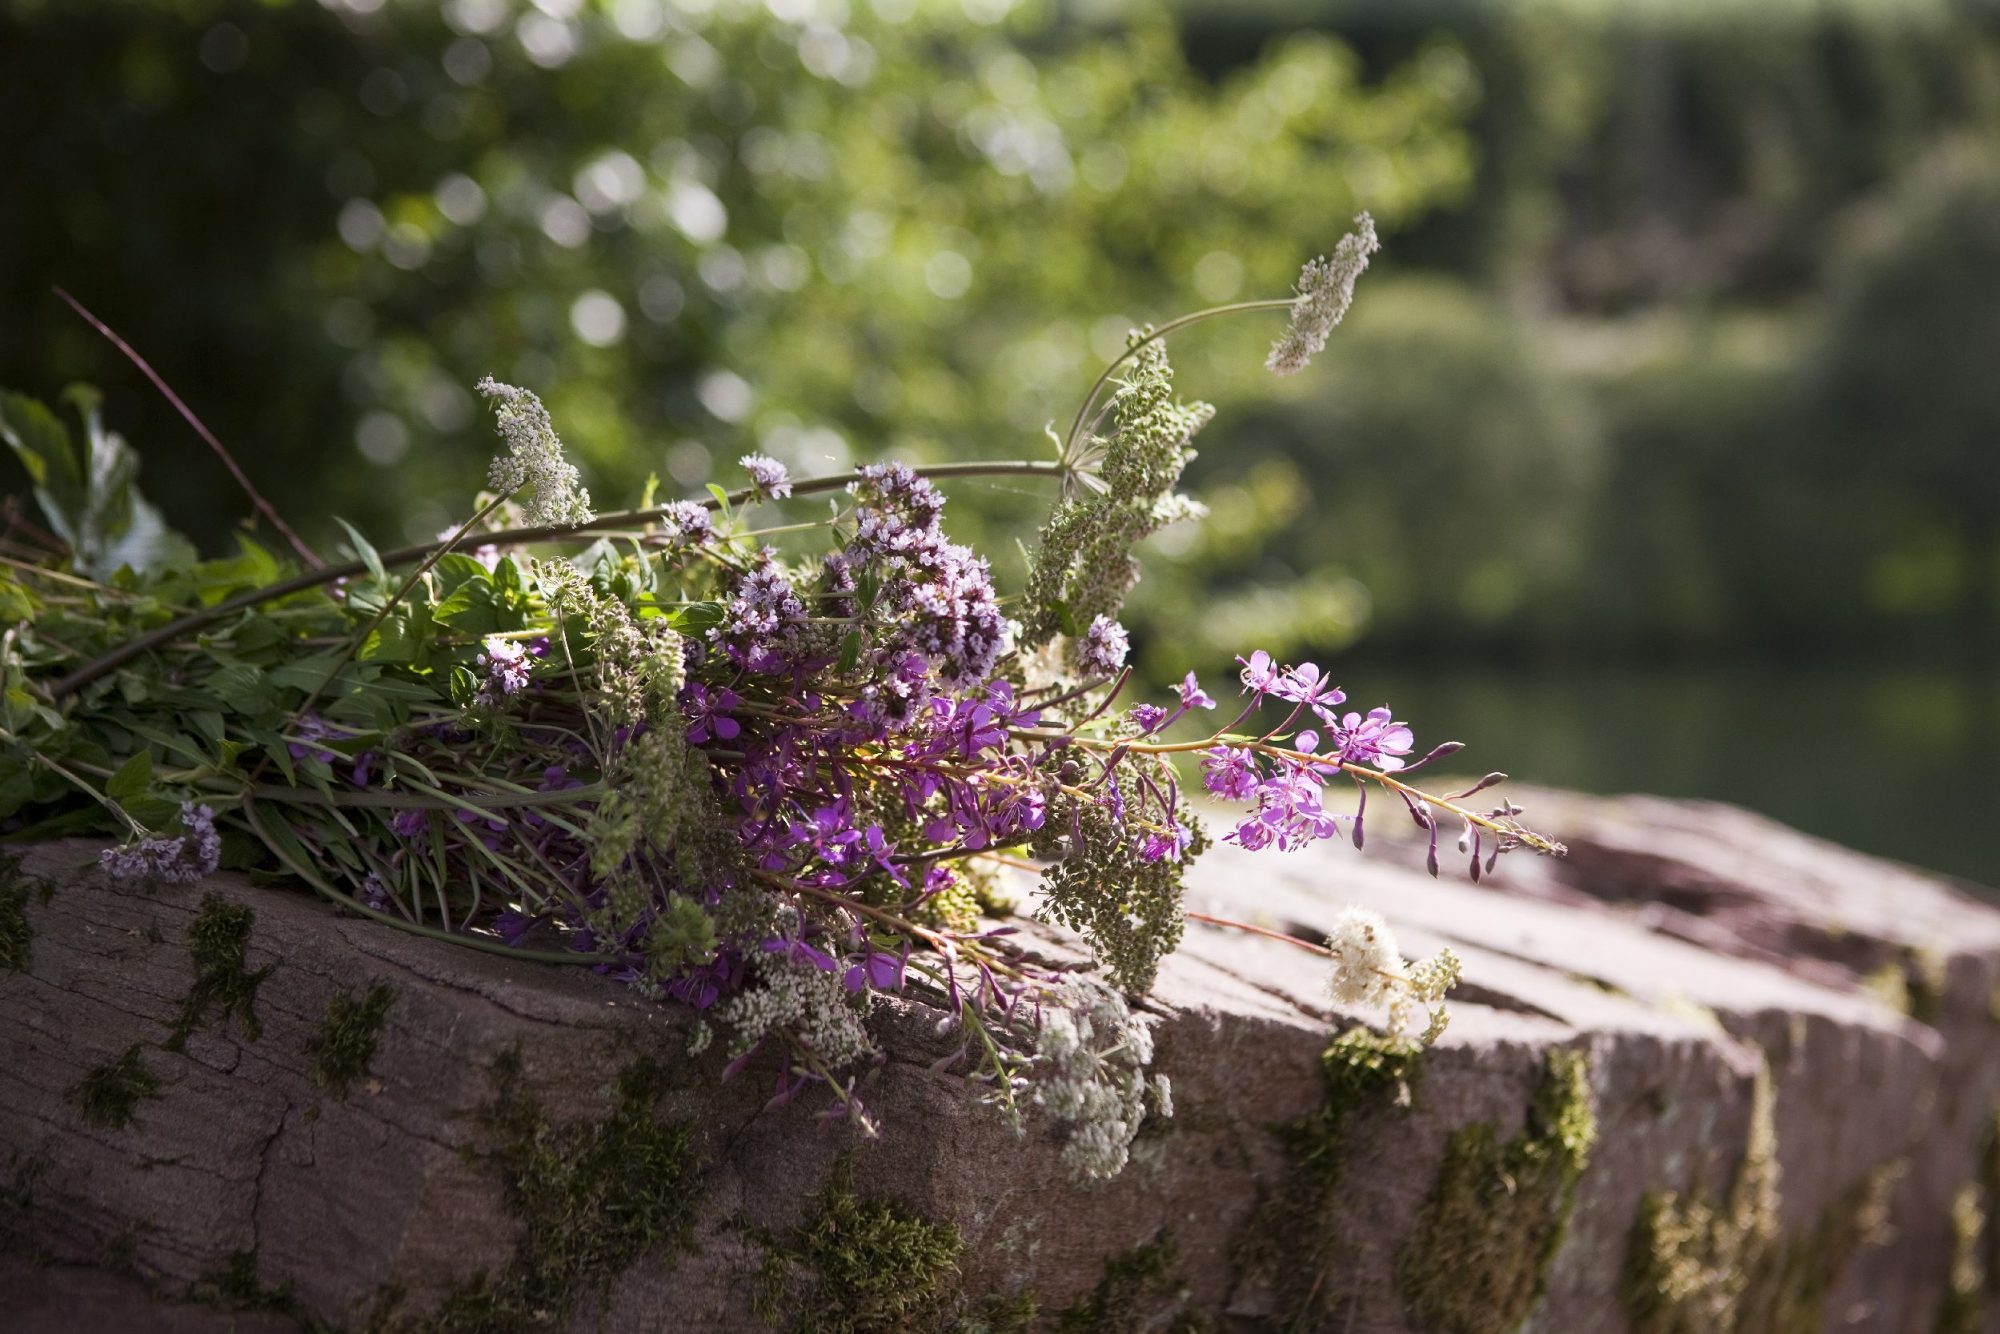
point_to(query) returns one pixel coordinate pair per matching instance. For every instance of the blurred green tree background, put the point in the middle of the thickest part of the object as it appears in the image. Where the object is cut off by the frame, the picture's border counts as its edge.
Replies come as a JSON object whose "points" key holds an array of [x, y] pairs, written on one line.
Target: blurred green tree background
{"points": [[1671, 396]]}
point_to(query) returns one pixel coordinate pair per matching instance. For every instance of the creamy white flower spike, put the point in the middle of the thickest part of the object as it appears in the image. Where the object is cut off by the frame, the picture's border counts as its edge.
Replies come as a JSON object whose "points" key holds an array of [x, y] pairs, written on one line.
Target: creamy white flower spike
{"points": [[534, 458], [1368, 969], [1325, 290]]}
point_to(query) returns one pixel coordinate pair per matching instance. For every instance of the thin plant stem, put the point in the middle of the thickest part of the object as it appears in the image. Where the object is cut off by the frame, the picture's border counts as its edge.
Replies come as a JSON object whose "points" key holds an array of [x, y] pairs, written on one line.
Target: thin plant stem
{"points": [[1170, 327], [257, 501], [115, 658]]}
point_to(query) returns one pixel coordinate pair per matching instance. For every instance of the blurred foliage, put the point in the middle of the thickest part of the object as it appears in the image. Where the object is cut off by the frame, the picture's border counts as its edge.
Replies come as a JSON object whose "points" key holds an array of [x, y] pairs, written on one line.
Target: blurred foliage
{"points": [[1676, 349], [1908, 361], [817, 228], [1434, 462]]}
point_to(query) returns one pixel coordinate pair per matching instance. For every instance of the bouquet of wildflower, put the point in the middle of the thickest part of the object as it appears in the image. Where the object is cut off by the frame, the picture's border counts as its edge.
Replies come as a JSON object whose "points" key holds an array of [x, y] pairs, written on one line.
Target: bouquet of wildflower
{"points": [[765, 770]]}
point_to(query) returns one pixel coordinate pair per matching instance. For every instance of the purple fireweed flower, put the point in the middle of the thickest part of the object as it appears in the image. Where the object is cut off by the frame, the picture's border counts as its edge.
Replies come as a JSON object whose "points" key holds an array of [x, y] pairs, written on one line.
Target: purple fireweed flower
{"points": [[1229, 772], [1102, 650], [767, 476], [491, 821], [409, 823], [1304, 684], [364, 767], [1147, 717], [375, 891], [1377, 739], [1167, 845], [1192, 695], [879, 971], [312, 728], [514, 925], [798, 951], [708, 713], [1288, 813], [1260, 673], [702, 985]]}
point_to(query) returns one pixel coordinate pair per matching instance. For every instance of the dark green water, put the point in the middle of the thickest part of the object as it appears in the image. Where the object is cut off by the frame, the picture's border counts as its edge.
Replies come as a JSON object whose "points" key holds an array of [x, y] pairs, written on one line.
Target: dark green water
{"points": [[1897, 761]]}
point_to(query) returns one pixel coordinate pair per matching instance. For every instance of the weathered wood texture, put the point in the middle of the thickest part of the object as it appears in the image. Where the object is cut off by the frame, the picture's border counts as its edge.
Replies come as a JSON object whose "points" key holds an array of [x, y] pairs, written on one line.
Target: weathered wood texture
{"points": [[1684, 949]]}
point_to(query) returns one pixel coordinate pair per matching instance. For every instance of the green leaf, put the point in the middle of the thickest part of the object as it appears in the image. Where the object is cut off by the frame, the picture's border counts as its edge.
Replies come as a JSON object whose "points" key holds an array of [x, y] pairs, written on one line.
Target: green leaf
{"points": [[363, 551], [17, 601], [455, 569], [42, 443], [850, 651], [695, 617], [721, 498], [132, 779], [470, 608]]}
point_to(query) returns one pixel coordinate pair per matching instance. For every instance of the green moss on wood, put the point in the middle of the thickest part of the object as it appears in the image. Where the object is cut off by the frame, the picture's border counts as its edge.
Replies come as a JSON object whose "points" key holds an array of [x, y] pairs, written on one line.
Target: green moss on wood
{"points": [[1291, 1243], [1698, 1266], [857, 1266], [237, 1288], [1913, 983], [347, 1036], [1478, 1258], [593, 1197], [1964, 1308], [16, 936], [219, 940], [110, 1095], [1000, 1315], [1140, 1290]]}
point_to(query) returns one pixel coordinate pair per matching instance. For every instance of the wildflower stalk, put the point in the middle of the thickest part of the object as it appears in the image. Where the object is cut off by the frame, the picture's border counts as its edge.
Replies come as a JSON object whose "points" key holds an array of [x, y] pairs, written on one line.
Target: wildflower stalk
{"points": [[257, 501], [1155, 335]]}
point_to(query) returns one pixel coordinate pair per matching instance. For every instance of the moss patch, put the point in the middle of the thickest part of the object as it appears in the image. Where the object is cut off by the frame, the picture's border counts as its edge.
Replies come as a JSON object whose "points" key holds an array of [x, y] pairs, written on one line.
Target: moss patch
{"points": [[593, 1196], [1696, 1266], [220, 943], [1478, 1258], [1290, 1243], [1964, 1308], [1912, 983], [236, 1288], [110, 1095], [346, 1041], [855, 1266], [1140, 1290], [16, 936]]}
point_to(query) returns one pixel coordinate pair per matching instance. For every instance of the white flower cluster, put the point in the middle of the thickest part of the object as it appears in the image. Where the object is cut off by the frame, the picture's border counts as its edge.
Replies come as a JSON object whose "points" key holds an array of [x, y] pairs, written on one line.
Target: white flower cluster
{"points": [[195, 854], [534, 458], [1368, 969], [806, 1006], [1326, 289], [1091, 1057]]}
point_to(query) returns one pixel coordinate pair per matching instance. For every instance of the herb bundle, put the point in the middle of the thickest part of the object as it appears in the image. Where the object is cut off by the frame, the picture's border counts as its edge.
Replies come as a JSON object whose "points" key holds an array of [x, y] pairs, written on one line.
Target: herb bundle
{"points": [[769, 786]]}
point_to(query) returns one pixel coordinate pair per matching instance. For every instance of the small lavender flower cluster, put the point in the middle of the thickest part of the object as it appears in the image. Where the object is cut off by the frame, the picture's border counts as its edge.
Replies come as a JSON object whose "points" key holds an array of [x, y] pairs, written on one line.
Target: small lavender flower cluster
{"points": [[769, 479], [934, 597], [195, 853]]}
